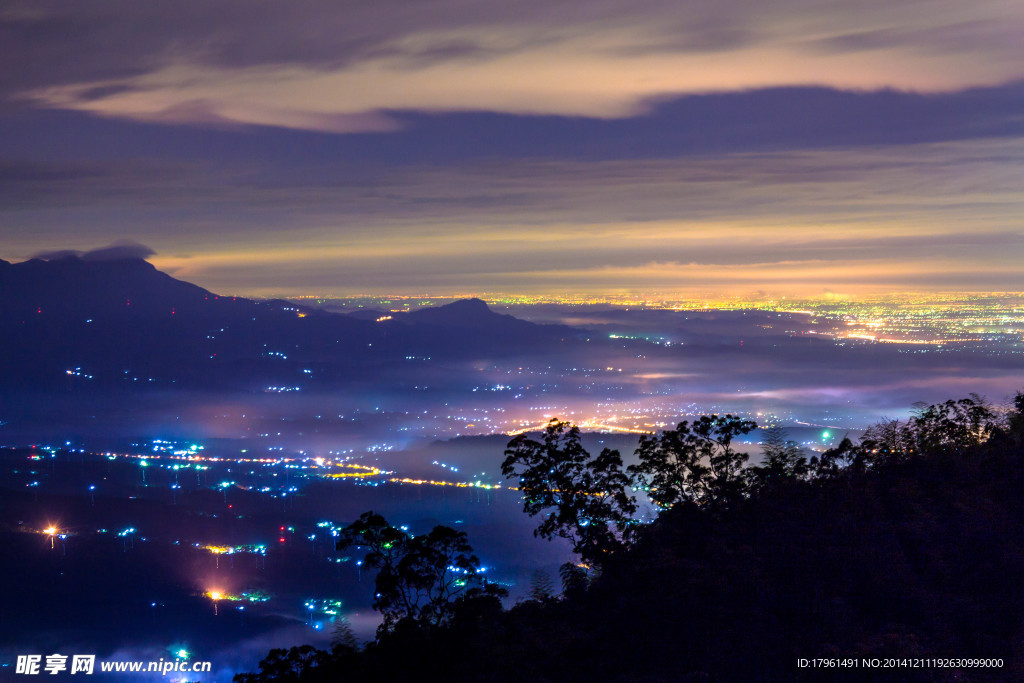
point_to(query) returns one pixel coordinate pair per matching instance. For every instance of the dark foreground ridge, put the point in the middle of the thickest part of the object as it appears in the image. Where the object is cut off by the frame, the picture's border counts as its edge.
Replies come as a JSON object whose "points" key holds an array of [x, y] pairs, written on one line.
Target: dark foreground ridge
{"points": [[907, 546]]}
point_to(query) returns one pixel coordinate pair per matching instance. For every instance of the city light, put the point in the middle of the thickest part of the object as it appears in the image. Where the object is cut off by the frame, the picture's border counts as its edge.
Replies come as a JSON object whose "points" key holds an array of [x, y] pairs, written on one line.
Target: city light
{"points": [[216, 596]]}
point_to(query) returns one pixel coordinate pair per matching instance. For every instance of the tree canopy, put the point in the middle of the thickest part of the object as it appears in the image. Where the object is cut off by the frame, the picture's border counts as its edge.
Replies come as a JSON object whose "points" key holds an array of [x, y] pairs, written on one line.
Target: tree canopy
{"points": [[583, 499], [420, 579], [906, 544], [693, 463]]}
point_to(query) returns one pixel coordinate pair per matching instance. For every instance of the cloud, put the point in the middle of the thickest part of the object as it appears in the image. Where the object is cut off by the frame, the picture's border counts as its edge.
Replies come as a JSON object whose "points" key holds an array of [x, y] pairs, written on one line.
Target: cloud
{"points": [[117, 251], [312, 66], [516, 224], [567, 81], [960, 36], [57, 255], [695, 125]]}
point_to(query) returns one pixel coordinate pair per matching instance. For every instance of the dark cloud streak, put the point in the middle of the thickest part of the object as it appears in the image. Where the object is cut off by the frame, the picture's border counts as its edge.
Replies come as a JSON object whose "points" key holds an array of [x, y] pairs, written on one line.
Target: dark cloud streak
{"points": [[770, 120], [122, 249]]}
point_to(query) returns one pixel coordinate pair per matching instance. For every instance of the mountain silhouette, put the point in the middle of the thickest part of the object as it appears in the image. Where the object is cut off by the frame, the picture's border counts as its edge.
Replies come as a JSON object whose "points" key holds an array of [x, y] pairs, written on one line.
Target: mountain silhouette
{"points": [[120, 318], [73, 286], [463, 312], [473, 314]]}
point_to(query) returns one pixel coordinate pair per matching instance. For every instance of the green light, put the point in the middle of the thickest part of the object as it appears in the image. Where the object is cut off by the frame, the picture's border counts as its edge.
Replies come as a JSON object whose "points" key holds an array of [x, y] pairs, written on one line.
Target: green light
{"points": [[182, 653], [825, 435]]}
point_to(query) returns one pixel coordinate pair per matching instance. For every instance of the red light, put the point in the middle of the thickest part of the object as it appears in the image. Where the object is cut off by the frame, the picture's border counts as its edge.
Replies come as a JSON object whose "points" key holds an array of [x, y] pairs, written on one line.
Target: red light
{"points": [[281, 539], [282, 528]]}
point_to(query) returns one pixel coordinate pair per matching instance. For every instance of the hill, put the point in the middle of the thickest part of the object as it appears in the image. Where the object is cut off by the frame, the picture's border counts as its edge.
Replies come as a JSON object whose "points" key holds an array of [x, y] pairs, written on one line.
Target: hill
{"points": [[121, 320], [908, 557]]}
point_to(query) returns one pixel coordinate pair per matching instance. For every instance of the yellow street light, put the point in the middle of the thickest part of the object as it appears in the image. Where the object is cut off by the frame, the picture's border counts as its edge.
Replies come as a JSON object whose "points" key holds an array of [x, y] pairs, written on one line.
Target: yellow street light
{"points": [[215, 596]]}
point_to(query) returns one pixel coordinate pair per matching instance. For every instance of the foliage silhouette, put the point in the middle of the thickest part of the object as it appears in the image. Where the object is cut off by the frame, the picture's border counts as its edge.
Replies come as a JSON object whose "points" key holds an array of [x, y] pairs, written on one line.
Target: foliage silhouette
{"points": [[908, 544], [302, 663], [695, 463], [782, 461], [585, 500], [541, 588], [420, 579]]}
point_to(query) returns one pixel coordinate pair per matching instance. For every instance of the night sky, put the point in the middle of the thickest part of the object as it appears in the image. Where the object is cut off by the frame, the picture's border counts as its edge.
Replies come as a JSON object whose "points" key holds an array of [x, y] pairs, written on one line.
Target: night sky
{"points": [[452, 146]]}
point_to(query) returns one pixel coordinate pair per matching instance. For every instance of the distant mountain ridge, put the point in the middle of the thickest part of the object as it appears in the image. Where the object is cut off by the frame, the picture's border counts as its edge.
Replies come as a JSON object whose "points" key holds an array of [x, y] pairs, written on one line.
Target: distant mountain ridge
{"points": [[123, 317], [72, 285]]}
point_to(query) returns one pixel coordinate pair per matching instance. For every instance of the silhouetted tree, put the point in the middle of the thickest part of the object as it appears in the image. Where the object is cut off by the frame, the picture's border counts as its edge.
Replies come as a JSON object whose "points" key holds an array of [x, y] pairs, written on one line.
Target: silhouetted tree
{"points": [[419, 578], [1010, 433], [836, 460], [889, 441], [541, 588], [693, 463], [574, 579], [953, 426], [905, 556], [342, 633], [783, 461], [293, 664], [585, 500], [1015, 422], [479, 605]]}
